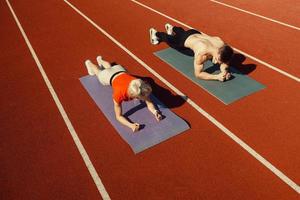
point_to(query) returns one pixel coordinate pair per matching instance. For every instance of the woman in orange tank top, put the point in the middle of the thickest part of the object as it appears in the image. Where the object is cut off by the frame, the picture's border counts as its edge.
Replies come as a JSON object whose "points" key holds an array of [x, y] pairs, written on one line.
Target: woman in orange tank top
{"points": [[125, 87]]}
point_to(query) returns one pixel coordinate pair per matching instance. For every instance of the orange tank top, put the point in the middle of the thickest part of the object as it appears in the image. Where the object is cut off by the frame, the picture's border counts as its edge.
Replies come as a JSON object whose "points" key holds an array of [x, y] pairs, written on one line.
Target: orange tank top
{"points": [[120, 86]]}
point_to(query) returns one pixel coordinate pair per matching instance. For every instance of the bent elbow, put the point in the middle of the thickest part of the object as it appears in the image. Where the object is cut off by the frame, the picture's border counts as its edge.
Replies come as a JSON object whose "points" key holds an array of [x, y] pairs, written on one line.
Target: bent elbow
{"points": [[118, 117], [197, 74]]}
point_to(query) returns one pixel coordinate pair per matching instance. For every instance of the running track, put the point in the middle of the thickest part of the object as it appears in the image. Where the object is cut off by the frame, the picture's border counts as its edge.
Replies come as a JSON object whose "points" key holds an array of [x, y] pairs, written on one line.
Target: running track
{"points": [[38, 155]]}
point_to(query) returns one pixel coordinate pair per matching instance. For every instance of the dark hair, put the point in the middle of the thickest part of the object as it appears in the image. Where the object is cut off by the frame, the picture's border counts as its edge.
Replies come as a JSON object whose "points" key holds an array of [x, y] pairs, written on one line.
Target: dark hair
{"points": [[226, 53]]}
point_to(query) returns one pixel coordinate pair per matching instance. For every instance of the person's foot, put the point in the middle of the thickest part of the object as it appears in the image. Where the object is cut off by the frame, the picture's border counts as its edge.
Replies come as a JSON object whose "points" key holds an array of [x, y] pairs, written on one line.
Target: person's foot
{"points": [[99, 61], [153, 37], [89, 67], [169, 28]]}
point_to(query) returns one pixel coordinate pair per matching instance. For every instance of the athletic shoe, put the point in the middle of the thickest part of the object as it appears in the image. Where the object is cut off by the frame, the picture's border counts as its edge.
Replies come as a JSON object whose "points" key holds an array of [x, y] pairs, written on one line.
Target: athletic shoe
{"points": [[169, 28], [99, 61], [153, 37], [88, 64]]}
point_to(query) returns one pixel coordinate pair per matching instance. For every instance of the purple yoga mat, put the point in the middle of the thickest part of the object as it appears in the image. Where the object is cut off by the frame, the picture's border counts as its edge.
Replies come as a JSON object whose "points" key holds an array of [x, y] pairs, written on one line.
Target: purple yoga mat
{"points": [[153, 132]]}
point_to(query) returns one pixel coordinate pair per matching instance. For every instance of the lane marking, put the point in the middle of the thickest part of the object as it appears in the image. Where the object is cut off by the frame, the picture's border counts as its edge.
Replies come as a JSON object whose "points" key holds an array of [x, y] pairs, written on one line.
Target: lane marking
{"points": [[257, 15], [237, 50], [63, 113], [246, 147]]}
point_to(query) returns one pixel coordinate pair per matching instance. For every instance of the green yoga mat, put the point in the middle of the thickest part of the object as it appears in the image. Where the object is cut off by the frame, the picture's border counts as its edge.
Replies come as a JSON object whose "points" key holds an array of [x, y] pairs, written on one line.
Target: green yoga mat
{"points": [[229, 91]]}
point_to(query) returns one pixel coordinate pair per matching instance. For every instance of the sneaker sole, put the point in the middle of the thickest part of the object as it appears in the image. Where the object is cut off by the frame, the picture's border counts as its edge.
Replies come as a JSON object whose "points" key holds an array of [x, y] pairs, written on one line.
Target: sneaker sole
{"points": [[167, 29], [151, 41], [99, 58], [90, 72]]}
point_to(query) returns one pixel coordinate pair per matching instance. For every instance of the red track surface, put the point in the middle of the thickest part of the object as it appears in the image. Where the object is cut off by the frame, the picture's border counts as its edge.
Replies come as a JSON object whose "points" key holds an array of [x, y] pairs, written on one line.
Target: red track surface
{"points": [[285, 11], [40, 159]]}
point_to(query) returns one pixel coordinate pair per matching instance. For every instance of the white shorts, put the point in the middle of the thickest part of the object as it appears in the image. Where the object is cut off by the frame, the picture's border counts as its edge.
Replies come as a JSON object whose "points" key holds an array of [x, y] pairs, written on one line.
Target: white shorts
{"points": [[105, 76]]}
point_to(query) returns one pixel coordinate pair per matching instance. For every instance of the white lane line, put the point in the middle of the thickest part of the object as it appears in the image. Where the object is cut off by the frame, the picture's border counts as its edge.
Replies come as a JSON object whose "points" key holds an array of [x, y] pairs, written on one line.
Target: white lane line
{"points": [[237, 50], [246, 147], [257, 15], [63, 113]]}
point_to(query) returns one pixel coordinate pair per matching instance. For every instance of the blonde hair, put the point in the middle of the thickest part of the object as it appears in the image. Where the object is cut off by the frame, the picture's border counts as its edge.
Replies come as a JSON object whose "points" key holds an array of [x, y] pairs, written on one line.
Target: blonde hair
{"points": [[139, 89]]}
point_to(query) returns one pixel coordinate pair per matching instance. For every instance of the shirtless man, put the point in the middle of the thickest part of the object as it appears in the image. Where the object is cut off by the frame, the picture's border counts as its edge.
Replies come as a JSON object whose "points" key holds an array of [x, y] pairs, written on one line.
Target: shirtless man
{"points": [[205, 48]]}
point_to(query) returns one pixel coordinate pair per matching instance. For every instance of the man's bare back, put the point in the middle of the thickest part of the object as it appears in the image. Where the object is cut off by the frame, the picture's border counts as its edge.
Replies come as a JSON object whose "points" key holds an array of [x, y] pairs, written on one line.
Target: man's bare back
{"points": [[205, 47], [203, 44]]}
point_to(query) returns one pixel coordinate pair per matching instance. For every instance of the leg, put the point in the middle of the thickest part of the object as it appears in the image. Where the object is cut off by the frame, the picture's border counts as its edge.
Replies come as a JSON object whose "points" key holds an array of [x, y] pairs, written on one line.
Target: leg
{"points": [[178, 30], [157, 37], [172, 40], [106, 75], [175, 40]]}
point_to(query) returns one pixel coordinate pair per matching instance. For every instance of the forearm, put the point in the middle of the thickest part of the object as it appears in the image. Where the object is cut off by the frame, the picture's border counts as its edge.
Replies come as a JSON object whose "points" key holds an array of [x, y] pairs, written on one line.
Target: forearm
{"points": [[206, 76], [151, 106], [124, 121], [119, 116]]}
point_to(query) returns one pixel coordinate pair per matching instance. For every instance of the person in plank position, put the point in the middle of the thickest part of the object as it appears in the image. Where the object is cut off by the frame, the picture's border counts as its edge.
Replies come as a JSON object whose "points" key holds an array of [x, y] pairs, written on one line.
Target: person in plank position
{"points": [[205, 48], [125, 87]]}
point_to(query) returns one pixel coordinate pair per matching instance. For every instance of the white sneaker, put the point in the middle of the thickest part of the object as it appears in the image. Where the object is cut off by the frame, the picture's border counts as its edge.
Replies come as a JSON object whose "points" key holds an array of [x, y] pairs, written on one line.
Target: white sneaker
{"points": [[169, 28], [88, 64], [99, 61], [153, 37]]}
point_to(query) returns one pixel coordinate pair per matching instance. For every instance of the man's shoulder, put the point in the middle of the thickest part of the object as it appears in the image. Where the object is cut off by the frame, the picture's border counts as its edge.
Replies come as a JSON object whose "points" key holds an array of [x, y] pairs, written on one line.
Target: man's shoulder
{"points": [[200, 58], [217, 41]]}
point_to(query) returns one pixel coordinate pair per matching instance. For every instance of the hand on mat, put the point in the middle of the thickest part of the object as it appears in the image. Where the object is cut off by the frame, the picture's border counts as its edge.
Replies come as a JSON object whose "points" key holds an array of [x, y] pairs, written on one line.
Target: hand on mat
{"points": [[227, 76], [222, 76], [158, 115], [135, 127]]}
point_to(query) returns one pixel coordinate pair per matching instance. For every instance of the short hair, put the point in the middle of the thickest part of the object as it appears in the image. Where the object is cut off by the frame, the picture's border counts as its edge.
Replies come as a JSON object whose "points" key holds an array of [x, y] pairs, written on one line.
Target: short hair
{"points": [[139, 89], [226, 53]]}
